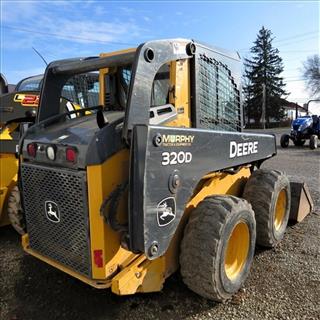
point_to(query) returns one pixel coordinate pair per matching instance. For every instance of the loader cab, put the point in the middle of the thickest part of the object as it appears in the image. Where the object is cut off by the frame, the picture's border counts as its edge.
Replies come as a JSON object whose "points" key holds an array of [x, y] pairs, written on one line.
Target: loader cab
{"points": [[174, 97]]}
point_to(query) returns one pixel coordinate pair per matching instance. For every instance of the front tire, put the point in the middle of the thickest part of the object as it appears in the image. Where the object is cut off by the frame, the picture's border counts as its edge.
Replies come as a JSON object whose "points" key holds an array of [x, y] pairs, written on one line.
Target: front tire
{"points": [[313, 142], [284, 141], [218, 247], [268, 191]]}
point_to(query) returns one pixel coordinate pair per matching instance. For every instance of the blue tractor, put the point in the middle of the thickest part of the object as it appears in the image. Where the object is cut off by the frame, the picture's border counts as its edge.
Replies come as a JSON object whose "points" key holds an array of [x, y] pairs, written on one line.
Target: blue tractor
{"points": [[302, 129]]}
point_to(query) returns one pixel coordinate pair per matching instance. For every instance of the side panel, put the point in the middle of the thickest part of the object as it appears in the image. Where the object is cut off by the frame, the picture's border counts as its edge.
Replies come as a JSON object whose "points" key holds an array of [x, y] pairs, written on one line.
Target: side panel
{"points": [[102, 181], [167, 164]]}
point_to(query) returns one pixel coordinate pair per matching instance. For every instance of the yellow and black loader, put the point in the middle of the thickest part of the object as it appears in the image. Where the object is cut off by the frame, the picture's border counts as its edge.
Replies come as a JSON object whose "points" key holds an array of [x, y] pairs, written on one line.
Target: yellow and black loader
{"points": [[159, 176]]}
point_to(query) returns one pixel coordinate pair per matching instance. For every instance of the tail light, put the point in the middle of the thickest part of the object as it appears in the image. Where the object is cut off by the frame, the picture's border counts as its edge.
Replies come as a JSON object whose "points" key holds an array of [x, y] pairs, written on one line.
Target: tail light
{"points": [[71, 155], [98, 259], [30, 100], [32, 149]]}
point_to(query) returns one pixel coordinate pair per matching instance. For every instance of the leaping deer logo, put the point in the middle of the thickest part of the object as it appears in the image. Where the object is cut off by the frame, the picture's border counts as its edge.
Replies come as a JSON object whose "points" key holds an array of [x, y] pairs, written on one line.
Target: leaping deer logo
{"points": [[52, 211], [166, 211]]}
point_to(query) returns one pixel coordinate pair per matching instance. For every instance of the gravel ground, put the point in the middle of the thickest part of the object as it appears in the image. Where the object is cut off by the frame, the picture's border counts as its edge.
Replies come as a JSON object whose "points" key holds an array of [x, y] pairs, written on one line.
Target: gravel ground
{"points": [[284, 282]]}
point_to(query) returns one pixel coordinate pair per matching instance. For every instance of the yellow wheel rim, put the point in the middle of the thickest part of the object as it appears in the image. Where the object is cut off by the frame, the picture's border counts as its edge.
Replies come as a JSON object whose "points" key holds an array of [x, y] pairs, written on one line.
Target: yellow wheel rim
{"points": [[237, 250], [280, 210]]}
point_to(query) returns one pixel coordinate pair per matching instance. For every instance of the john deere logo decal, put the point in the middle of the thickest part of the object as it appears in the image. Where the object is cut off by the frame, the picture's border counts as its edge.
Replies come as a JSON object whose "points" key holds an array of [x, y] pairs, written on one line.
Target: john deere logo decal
{"points": [[166, 211], [52, 211]]}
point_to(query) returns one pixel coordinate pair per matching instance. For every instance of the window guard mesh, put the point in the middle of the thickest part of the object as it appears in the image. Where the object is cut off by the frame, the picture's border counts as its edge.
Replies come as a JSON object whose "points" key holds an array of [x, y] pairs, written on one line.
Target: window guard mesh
{"points": [[82, 89], [219, 98]]}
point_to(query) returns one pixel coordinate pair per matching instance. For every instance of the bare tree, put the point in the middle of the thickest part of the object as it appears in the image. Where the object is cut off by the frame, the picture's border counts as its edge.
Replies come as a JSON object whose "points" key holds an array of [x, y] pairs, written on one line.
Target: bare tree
{"points": [[311, 72]]}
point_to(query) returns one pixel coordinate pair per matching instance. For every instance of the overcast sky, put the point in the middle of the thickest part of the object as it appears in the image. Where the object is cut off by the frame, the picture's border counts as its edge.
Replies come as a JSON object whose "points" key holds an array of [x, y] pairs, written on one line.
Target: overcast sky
{"points": [[61, 29]]}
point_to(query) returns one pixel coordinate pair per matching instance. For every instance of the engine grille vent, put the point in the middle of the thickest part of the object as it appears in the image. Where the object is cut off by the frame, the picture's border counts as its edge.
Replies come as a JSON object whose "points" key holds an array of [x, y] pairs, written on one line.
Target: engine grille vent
{"points": [[63, 191]]}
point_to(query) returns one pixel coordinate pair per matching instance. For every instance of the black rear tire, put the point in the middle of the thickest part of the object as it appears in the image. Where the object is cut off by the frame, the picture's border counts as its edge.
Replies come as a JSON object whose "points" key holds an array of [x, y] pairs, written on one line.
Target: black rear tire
{"points": [[313, 143], [15, 212], [284, 141], [268, 191], [205, 259]]}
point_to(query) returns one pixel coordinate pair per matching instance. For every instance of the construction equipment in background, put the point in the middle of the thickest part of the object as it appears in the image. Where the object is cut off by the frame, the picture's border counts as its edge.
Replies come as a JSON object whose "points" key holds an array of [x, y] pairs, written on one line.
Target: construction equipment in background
{"points": [[159, 176], [4, 86], [18, 110]]}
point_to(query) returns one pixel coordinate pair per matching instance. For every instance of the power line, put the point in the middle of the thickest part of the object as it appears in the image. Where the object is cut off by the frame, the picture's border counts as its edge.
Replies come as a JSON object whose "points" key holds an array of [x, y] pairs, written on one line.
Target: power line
{"points": [[297, 36], [315, 34], [298, 41], [293, 51], [295, 80], [68, 36]]}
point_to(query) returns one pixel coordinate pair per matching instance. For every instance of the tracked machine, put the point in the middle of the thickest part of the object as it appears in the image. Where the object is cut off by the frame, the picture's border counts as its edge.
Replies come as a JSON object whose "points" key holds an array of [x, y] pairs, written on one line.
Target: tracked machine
{"points": [[158, 177]]}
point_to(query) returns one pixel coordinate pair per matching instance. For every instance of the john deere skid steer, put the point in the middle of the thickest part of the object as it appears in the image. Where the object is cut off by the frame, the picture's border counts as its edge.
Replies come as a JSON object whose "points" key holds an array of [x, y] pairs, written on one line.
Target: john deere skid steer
{"points": [[158, 176]]}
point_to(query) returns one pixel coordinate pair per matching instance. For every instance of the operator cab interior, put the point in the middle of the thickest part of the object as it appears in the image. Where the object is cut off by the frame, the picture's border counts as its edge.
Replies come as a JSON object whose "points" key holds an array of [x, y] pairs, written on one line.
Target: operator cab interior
{"points": [[117, 84]]}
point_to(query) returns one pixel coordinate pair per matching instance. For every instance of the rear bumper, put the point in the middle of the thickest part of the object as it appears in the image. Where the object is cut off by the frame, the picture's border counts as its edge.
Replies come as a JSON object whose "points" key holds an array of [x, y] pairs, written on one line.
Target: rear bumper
{"points": [[98, 284]]}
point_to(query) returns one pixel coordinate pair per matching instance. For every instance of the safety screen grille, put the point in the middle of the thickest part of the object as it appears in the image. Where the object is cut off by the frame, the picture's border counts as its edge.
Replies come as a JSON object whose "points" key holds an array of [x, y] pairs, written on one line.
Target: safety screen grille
{"points": [[218, 96], [82, 89], [126, 75], [63, 192]]}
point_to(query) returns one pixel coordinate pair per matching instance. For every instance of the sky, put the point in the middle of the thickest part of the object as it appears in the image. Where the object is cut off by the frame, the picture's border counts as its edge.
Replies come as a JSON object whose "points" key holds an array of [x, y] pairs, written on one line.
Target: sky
{"points": [[64, 29]]}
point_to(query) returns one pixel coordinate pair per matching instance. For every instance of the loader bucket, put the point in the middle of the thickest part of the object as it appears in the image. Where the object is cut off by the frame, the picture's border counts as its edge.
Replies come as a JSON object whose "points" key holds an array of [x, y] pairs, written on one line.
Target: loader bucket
{"points": [[301, 201]]}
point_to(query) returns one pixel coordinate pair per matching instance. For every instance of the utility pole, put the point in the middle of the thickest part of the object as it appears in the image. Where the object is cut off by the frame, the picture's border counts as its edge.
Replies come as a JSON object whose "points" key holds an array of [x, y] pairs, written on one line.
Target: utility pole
{"points": [[263, 113]]}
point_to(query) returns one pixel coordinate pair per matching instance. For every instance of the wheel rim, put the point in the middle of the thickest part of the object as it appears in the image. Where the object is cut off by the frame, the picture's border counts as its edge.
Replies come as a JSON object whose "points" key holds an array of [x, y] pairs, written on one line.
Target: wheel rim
{"points": [[280, 209], [237, 250]]}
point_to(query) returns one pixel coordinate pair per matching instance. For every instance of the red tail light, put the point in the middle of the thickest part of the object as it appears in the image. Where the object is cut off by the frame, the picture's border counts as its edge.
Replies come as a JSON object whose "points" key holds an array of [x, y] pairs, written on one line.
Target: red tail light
{"points": [[30, 100], [71, 155], [32, 149], [98, 259]]}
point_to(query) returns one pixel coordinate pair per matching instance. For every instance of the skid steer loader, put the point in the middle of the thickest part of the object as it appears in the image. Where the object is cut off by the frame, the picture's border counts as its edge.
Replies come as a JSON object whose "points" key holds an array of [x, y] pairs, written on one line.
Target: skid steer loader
{"points": [[159, 176], [20, 107]]}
